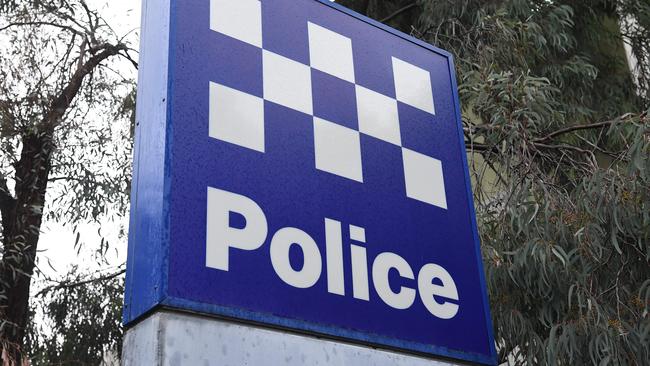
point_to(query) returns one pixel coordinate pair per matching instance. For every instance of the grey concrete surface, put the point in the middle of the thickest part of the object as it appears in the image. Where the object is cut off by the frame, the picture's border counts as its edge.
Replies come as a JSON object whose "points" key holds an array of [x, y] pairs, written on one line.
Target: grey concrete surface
{"points": [[172, 339]]}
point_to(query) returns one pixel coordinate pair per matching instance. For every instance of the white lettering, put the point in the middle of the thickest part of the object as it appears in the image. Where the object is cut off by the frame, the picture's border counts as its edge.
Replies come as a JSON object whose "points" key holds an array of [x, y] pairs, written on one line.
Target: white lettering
{"points": [[383, 263], [310, 272], [428, 291], [359, 272], [334, 255], [220, 236]]}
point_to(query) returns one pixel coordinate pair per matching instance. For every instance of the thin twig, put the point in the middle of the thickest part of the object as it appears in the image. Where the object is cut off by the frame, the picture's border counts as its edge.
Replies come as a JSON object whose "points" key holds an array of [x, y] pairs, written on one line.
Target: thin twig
{"points": [[68, 285], [398, 12], [582, 127], [65, 27]]}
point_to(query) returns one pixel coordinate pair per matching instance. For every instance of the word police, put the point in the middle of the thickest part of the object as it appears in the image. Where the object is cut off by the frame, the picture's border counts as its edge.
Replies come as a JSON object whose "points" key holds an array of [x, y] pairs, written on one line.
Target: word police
{"points": [[222, 237]]}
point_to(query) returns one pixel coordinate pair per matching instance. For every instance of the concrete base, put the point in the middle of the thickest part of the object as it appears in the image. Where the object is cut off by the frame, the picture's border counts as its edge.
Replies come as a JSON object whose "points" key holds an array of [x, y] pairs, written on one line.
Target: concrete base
{"points": [[172, 339]]}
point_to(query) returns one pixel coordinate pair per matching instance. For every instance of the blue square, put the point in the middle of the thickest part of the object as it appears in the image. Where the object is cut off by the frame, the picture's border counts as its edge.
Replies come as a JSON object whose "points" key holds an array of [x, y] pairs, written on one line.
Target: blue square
{"points": [[373, 68], [334, 99], [288, 39], [419, 129], [285, 125], [239, 64], [380, 166]]}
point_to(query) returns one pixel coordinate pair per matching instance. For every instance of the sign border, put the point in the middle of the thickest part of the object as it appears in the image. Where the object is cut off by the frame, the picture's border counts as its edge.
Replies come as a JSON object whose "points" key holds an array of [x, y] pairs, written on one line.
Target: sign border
{"points": [[153, 251]]}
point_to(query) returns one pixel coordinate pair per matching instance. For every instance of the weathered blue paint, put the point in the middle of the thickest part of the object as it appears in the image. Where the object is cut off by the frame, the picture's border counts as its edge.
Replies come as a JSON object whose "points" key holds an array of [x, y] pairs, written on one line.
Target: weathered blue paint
{"points": [[148, 226]]}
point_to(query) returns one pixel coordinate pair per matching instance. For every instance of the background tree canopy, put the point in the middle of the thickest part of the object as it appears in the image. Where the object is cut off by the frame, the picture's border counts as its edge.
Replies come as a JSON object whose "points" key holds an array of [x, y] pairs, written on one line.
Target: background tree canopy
{"points": [[556, 126], [558, 130]]}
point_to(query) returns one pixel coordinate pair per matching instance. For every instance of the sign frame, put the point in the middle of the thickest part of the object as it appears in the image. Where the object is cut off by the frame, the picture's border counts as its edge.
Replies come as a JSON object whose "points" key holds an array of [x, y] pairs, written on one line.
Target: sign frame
{"points": [[148, 254]]}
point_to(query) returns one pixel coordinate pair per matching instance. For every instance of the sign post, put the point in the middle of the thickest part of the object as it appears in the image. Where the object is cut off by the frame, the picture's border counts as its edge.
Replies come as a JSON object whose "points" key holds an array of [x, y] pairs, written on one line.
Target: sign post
{"points": [[301, 180]]}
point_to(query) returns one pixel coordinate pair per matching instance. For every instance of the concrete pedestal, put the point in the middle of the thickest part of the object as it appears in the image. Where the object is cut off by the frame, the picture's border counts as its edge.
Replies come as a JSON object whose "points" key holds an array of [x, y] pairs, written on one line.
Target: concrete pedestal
{"points": [[172, 339]]}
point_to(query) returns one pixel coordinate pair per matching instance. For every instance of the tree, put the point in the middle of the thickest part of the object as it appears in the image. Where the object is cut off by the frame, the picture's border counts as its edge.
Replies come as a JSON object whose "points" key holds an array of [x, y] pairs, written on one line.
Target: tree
{"points": [[10, 5], [82, 320], [556, 125], [558, 132], [62, 134]]}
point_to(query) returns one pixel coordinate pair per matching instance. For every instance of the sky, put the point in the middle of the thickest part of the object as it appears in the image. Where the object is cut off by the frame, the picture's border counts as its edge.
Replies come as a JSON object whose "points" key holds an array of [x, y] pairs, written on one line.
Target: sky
{"points": [[57, 252]]}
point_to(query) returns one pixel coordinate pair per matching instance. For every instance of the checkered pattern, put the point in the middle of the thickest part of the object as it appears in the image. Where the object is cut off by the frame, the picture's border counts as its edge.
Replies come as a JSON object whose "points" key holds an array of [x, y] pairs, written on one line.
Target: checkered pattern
{"points": [[238, 117]]}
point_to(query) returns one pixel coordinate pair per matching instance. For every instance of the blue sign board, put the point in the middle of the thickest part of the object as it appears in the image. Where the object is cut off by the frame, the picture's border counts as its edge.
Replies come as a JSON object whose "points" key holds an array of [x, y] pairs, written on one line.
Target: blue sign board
{"points": [[301, 166]]}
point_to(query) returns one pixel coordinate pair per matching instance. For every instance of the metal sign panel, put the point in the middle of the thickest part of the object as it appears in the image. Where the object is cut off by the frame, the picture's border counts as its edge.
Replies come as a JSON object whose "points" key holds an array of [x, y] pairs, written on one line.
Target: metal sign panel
{"points": [[301, 166]]}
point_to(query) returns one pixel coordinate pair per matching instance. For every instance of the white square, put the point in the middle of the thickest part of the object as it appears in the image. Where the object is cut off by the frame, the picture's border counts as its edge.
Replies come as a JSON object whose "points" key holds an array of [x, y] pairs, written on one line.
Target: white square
{"points": [[331, 52], [413, 86], [287, 82], [236, 117], [378, 116], [424, 178], [338, 149], [240, 19]]}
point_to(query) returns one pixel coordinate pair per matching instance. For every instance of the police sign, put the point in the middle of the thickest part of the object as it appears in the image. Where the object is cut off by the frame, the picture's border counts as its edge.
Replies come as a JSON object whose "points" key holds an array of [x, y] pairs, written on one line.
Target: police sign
{"points": [[303, 167]]}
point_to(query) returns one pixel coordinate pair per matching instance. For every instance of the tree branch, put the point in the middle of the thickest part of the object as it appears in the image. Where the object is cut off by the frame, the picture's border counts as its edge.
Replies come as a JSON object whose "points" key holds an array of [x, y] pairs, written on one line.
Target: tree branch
{"points": [[582, 127], [480, 148], [7, 207], [563, 146], [398, 12], [5, 195], [61, 103], [127, 56], [68, 285], [64, 27]]}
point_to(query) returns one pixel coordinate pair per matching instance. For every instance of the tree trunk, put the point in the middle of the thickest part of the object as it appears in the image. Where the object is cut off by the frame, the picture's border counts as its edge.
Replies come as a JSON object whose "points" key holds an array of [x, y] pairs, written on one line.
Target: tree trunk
{"points": [[598, 36], [21, 239]]}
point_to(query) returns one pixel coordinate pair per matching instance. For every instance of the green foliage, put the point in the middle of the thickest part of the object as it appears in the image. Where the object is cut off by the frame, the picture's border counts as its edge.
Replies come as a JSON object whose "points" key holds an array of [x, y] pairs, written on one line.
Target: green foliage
{"points": [[81, 321], [558, 134], [561, 145], [566, 242]]}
